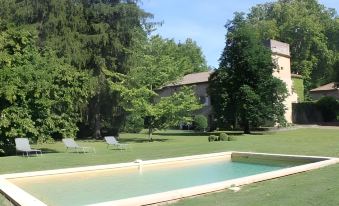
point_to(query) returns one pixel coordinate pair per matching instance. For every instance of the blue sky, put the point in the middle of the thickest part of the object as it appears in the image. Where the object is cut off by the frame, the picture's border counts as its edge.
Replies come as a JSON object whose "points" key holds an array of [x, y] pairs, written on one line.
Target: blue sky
{"points": [[202, 20]]}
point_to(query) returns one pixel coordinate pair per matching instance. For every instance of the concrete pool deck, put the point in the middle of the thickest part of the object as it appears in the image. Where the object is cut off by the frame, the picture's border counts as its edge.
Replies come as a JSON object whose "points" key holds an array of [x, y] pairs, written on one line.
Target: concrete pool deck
{"points": [[22, 198]]}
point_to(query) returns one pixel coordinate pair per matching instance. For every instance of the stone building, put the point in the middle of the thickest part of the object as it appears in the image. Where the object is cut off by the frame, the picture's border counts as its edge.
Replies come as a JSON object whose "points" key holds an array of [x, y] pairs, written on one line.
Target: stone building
{"points": [[199, 81], [280, 55], [330, 89]]}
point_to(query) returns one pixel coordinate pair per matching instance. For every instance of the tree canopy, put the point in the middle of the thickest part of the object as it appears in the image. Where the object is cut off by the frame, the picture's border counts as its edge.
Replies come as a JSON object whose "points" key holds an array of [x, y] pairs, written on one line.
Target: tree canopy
{"points": [[90, 35], [162, 61], [159, 63], [312, 32], [40, 94], [70, 65]]}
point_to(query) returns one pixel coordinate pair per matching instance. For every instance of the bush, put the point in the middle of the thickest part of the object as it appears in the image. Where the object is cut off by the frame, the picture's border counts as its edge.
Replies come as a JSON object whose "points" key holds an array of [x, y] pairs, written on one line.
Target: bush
{"points": [[200, 123], [223, 137], [329, 108], [133, 124], [213, 138], [232, 138], [7, 146]]}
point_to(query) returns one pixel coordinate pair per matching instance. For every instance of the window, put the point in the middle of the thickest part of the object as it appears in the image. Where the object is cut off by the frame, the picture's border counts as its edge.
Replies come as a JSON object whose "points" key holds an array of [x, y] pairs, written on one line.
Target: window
{"points": [[204, 100]]}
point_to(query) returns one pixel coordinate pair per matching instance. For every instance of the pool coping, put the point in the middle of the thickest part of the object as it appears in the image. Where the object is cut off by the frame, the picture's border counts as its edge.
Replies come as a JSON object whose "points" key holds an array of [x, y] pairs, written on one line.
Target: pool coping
{"points": [[23, 198]]}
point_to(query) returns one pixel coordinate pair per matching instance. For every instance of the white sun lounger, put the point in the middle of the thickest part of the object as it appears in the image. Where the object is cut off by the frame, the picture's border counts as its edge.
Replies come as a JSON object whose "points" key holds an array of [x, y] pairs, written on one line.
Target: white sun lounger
{"points": [[71, 144], [22, 145], [111, 141]]}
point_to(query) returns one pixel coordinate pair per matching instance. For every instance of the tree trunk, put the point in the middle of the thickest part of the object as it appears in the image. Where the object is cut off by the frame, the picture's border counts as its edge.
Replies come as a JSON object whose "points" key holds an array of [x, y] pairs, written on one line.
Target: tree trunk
{"points": [[247, 127], [97, 129], [150, 132], [97, 118]]}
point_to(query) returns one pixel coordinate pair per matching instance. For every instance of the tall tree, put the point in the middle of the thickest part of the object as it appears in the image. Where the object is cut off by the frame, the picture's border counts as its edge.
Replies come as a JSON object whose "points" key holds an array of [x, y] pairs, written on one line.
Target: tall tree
{"points": [[159, 63], [243, 89], [90, 35]]}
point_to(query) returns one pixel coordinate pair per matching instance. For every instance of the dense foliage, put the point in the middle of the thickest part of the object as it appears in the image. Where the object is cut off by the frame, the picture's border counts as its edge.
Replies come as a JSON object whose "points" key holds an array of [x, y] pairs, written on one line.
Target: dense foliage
{"points": [[162, 61], [133, 123], [329, 108], [67, 65], [243, 91], [200, 123], [90, 35], [40, 95], [312, 31], [326, 109], [160, 112]]}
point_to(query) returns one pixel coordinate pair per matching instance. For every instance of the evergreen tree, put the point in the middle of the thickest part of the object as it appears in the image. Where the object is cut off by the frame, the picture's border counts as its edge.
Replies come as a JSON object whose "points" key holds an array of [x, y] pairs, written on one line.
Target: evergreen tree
{"points": [[243, 90], [90, 35]]}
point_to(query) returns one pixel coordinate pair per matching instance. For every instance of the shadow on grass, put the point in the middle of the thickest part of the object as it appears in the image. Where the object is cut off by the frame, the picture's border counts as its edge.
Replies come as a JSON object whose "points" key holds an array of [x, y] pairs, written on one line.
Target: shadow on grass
{"points": [[156, 138], [117, 149], [49, 150], [233, 133], [141, 140], [258, 133]]}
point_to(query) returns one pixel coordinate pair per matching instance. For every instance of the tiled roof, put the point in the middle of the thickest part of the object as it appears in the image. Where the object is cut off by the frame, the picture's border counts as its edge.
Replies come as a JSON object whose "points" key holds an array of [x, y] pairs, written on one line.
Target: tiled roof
{"points": [[193, 78], [326, 87]]}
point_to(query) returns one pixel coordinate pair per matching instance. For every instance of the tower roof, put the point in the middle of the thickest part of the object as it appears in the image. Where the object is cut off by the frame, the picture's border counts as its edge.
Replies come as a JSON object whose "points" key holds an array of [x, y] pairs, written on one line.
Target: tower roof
{"points": [[278, 47]]}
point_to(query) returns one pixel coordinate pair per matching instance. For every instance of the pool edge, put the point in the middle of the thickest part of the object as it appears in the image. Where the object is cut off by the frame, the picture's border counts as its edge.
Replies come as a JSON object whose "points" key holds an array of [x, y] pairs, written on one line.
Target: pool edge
{"points": [[214, 187], [25, 199]]}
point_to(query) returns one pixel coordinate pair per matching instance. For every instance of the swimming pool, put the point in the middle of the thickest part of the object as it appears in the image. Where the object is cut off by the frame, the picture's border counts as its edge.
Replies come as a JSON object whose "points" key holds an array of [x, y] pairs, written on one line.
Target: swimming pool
{"points": [[147, 182]]}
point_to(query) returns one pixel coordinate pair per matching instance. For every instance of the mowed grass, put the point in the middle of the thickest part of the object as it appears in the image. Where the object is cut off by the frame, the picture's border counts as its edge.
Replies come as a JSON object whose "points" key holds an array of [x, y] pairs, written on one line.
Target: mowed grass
{"points": [[318, 187]]}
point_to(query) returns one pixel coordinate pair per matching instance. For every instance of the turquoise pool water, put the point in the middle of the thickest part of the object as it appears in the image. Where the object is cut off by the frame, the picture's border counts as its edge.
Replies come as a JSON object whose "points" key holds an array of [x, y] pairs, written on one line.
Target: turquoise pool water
{"points": [[95, 187]]}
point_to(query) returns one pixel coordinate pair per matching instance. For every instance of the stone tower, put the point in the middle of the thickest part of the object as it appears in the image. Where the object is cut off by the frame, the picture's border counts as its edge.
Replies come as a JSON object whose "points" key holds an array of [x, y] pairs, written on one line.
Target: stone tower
{"points": [[281, 56]]}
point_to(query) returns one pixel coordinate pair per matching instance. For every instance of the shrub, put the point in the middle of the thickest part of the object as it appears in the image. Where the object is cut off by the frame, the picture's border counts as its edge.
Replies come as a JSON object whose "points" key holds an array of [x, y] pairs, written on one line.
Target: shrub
{"points": [[232, 138], [223, 137], [329, 108], [7, 146], [133, 124], [212, 138], [200, 123]]}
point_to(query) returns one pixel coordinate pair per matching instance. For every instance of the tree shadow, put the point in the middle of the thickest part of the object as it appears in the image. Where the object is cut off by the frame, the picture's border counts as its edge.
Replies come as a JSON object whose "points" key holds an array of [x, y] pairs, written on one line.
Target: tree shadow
{"points": [[49, 150], [233, 133], [258, 133], [142, 140]]}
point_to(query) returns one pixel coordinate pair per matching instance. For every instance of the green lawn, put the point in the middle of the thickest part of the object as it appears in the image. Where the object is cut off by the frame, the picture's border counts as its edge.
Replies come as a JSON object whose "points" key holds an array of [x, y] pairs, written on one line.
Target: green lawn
{"points": [[319, 187]]}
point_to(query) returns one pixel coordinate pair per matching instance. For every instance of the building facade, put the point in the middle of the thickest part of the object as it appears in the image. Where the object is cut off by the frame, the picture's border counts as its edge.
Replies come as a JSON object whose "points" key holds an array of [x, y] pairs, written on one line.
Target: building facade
{"points": [[280, 56], [326, 90], [199, 82]]}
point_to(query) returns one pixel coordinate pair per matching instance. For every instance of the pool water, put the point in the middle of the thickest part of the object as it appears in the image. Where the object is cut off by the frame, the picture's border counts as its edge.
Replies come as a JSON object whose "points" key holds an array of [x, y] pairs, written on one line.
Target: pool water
{"points": [[102, 186]]}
